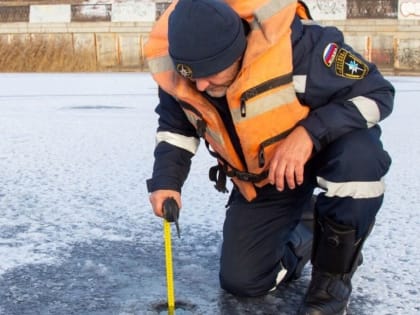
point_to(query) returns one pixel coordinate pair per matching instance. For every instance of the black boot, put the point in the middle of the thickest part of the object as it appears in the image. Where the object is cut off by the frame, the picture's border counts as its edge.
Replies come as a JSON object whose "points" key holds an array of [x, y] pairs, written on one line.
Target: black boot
{"points": [[335, 257]]}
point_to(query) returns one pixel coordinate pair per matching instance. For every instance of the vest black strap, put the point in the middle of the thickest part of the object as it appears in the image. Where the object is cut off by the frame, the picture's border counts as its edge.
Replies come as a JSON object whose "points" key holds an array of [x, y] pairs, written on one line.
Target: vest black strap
{"points": [[246, 176], [219, 177], [220, 172]]}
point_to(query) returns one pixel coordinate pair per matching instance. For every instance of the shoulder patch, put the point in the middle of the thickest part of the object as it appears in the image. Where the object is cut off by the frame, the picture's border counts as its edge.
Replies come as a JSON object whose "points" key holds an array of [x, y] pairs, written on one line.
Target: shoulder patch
{"points": [[349, 66], [329, 54]]}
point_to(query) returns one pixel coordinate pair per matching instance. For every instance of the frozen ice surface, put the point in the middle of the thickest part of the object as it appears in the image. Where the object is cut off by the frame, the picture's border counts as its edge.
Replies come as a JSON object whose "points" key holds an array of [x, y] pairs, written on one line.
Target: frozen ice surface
{"points": [[77, 235]]}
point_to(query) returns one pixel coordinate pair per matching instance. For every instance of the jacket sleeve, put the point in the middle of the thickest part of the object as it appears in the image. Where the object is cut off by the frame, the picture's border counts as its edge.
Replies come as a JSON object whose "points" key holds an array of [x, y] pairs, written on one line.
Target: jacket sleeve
{"points": [[176, 144], [343, 90]]}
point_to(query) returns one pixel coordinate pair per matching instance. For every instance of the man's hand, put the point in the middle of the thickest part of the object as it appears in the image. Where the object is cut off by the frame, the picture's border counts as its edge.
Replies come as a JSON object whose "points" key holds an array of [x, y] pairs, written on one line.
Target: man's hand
{"points": [[159, 196], [290, 158]]}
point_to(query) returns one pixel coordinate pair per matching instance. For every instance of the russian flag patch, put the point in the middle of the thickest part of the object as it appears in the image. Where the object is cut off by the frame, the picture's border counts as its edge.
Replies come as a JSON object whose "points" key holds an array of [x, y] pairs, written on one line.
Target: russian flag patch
{"points": [[329, 54]]}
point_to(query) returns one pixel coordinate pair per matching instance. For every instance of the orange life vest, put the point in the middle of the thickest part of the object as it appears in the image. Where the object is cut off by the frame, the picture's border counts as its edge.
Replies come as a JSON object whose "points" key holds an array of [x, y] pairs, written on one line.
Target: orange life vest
{"points": [[262, 100]]}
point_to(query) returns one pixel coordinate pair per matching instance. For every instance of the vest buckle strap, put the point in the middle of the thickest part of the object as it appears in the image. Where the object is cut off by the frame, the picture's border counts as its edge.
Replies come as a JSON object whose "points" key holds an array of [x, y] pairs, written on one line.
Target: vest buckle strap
{"points": [[218, 175], [248, 177], [216, 172]]}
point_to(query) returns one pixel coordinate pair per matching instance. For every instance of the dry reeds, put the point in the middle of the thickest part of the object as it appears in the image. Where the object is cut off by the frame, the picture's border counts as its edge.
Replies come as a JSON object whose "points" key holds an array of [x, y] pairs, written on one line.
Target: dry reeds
{"points": [[44, 53]]}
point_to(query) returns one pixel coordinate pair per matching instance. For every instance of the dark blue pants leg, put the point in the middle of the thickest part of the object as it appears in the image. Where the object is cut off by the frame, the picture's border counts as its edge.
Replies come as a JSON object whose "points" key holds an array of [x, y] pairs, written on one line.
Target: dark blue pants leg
{"points": [[350, 171], [254, 257]]}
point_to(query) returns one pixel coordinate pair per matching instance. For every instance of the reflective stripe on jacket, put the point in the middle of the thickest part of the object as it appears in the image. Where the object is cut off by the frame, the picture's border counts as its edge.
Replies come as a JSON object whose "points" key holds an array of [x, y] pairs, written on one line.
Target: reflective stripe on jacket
{"points": [[262, 100]]}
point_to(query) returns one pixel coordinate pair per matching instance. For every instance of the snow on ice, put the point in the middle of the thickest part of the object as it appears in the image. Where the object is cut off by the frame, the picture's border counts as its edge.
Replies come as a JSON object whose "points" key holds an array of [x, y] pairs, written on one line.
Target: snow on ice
{"points": [[77, 235]]}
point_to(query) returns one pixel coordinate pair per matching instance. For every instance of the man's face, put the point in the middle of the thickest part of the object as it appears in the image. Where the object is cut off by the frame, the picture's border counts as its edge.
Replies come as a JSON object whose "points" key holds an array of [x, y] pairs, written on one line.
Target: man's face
{"points": [[217, 84]]}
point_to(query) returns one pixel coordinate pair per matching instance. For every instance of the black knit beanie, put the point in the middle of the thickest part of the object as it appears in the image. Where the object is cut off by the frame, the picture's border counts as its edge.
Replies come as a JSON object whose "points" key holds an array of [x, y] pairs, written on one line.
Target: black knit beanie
{"points": [[205, 37]]}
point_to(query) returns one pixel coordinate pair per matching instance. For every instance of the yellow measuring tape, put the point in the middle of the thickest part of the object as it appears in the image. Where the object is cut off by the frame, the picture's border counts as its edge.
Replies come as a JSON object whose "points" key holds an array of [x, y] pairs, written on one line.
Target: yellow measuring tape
{"points": [[169, 269]]}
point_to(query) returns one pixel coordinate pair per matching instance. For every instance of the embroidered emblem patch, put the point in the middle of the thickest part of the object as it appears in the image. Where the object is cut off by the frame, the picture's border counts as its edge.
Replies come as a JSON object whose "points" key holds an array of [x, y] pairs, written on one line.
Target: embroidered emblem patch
{"points": [[184, 70], [349, 66], [329, 54]]}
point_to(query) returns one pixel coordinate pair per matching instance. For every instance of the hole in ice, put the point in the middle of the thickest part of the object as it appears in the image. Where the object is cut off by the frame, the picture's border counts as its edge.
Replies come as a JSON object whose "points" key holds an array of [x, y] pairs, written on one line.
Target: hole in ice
{"points": [[181, 308]]}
